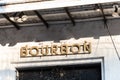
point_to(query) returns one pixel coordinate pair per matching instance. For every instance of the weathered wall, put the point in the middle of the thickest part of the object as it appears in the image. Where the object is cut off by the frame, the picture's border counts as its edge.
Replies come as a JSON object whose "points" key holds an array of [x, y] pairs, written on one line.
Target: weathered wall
{"points": [[11, 40]]}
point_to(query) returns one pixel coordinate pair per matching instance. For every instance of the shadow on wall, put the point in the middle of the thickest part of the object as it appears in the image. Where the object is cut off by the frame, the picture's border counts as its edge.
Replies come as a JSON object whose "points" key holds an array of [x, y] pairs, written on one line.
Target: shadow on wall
{"points": [[94, 29]]}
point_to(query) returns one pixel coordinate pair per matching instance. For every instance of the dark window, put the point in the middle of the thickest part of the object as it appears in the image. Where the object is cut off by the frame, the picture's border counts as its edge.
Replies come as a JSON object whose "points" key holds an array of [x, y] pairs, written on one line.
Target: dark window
{"points": [[69, 72]]}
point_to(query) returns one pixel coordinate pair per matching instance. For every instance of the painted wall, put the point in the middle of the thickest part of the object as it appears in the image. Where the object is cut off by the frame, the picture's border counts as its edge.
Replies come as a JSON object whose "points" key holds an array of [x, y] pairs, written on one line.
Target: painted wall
{"points": [[45, 4], [11, 40]]}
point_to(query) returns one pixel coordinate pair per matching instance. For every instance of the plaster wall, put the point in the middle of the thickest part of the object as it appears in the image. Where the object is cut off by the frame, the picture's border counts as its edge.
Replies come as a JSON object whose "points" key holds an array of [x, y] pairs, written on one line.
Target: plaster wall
{"points": [[103, 51]]}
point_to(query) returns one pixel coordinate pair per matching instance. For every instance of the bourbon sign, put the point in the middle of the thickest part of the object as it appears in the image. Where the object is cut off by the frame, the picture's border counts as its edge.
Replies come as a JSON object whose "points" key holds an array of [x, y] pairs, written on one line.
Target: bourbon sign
{"points": [[54, 49]]}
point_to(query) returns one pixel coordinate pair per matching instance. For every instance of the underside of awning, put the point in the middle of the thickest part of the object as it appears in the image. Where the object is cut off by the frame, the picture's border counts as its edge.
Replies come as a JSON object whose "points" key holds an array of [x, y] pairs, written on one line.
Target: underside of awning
{"points": [[39, 12]]}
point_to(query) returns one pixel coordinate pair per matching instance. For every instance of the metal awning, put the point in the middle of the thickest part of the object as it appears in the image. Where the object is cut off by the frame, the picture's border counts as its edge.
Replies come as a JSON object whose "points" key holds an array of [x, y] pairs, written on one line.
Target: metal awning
{"points": [[53, 15]]}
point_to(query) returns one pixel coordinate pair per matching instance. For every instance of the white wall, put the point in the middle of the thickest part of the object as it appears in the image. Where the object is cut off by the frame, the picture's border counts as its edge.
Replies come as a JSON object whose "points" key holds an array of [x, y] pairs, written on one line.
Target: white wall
{"points": [[11, 40], [45, 4]]}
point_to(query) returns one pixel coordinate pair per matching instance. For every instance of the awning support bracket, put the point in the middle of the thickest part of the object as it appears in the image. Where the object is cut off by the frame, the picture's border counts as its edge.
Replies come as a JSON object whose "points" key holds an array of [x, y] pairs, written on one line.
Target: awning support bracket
{"points": [[69, 15], [12, 22], [41, 18]]}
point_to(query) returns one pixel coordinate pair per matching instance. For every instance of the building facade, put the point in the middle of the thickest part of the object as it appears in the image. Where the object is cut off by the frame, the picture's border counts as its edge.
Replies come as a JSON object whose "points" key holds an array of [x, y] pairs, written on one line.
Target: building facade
{"points": [[90, 48]]}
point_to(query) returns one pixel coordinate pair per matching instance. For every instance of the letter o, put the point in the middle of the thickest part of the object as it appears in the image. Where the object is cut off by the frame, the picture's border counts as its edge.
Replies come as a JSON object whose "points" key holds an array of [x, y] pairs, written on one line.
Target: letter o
{"points": [[73, 46], [34, 48]]}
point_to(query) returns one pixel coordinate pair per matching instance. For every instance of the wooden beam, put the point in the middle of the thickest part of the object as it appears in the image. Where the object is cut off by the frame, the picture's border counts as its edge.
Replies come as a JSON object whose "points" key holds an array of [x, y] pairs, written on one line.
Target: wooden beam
{"points": [[41, 18], [12, 22], [69, 15]]}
